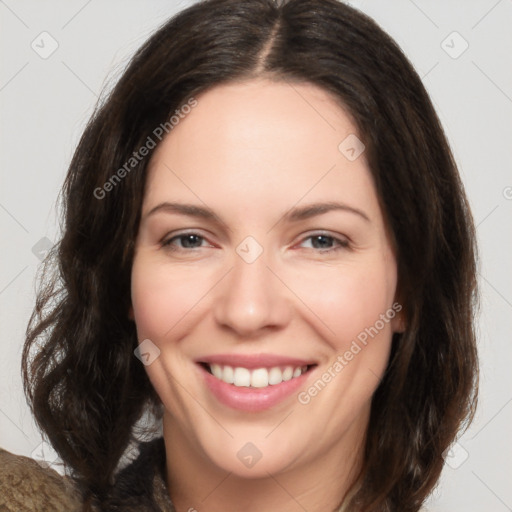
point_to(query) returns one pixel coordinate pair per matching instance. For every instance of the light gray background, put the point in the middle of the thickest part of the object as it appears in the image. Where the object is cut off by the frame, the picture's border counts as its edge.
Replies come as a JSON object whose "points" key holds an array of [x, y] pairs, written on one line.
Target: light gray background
{"points": [[46, 102]]}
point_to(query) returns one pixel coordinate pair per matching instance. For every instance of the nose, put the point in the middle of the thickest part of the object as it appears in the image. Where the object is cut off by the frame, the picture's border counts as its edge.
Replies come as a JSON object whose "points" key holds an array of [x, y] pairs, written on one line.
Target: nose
{"points": [[252, 299]]}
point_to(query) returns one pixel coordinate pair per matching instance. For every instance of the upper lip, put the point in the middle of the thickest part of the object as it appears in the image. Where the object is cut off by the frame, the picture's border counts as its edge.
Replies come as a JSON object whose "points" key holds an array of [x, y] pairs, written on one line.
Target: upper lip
{"points": [[253, 361]]}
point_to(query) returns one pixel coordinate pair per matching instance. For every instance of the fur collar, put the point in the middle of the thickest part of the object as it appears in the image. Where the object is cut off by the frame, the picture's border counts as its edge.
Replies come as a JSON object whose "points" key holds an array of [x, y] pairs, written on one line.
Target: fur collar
{"points": [[26, 486]]}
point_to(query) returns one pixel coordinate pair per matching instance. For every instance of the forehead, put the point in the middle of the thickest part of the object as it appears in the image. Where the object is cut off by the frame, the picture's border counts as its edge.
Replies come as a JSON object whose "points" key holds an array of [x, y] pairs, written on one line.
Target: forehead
{"points": [[262, 115], [260, 142]]}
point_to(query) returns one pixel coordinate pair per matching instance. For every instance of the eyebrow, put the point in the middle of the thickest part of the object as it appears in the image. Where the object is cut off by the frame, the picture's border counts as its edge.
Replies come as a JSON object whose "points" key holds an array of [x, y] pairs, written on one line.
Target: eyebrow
{"points": [[312, 210], [293, 215]]}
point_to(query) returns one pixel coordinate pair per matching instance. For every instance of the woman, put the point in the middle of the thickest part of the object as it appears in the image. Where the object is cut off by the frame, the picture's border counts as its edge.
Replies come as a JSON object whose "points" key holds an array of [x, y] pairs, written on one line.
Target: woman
{"points": [[268, 252]]}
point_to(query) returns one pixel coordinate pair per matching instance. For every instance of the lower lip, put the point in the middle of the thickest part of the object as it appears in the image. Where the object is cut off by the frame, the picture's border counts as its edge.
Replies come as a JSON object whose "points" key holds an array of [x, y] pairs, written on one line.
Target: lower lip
{"points": [[252, 399]]}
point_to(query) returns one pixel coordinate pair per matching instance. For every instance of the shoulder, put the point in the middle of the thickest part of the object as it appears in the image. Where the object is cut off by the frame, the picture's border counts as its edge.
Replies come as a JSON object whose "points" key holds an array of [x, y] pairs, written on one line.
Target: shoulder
{"points": [[27, 486]]}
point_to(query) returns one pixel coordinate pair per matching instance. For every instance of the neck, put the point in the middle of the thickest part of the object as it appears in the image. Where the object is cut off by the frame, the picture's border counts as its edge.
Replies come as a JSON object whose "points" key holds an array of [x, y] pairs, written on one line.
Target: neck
{"points": [[195, 483]]}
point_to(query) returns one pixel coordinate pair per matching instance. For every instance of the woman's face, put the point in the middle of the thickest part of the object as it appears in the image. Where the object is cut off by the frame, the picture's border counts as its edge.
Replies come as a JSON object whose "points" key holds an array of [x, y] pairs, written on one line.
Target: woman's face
{"points": [[236, 273]]}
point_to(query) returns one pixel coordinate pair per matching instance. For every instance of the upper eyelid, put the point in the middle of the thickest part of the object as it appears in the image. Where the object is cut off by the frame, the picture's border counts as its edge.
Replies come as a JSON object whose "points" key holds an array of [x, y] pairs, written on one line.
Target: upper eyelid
{"points": [[167, 238]]}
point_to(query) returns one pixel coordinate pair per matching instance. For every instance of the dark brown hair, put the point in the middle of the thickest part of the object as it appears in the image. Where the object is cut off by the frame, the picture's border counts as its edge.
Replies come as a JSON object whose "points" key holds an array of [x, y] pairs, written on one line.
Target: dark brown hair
{"points": [[85, 386]]}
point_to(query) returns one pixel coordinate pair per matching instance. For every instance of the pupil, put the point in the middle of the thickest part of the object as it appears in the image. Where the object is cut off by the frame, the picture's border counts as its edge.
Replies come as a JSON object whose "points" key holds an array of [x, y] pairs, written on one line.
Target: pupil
{"points": [[189, 240], [324, 238]]}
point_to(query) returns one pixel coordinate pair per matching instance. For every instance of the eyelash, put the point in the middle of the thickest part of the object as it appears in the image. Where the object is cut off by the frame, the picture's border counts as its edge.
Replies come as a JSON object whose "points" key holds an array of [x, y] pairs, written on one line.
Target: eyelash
{"points": [[342, 244]]}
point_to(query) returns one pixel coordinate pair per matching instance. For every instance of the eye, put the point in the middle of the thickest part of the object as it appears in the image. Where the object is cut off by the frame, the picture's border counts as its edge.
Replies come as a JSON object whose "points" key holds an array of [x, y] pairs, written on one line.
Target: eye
{"points": [[326, 243], [186, 241], [321, 242]]}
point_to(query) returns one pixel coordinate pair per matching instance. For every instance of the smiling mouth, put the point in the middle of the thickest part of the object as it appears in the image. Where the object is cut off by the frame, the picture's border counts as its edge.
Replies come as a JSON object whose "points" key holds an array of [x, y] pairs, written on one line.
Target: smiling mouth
{"points": [[255, 377]]}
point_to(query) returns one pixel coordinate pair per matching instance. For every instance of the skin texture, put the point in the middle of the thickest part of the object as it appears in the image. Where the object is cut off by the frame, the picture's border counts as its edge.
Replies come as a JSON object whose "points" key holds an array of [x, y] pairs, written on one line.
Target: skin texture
{"points": [[251, 151]]}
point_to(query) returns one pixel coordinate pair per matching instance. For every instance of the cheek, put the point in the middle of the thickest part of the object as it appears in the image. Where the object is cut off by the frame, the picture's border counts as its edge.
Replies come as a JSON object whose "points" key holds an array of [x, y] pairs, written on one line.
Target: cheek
{"points": [[159, 301], [351, 300], [356, 305]]}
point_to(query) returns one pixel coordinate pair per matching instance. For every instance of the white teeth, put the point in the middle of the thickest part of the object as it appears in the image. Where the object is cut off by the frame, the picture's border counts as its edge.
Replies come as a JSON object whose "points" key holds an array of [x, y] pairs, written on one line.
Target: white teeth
{"points": [[257, 378], [228, 375], [275, 376], [242, 377], [216, 370], [288, 373]]}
